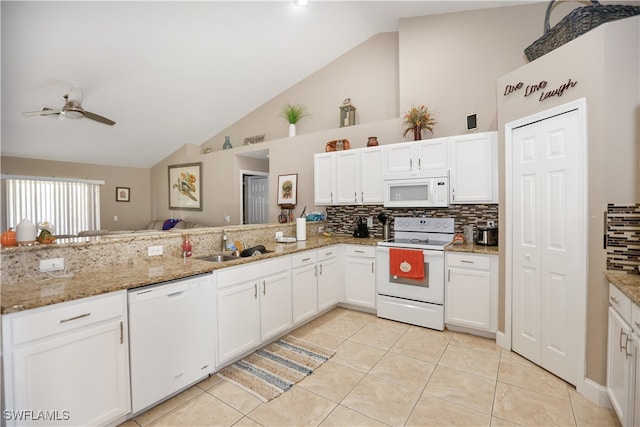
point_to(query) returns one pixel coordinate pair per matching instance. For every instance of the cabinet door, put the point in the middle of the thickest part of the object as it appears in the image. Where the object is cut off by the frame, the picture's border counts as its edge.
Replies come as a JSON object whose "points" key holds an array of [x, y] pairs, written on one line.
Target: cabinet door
{"points": [[432, 154], [323, 182], [327, 283], [238, 320], [347, 177], [84, 373], [619, 365], [468, 298], [304, 291], [359, 284], [474, 168], [275, 304], [398, 158], [371, 177]]}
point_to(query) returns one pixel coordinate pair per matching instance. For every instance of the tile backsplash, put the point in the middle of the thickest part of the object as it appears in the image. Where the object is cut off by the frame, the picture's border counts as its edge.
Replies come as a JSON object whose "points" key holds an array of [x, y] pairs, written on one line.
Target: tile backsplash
{"points": [[623, 238], [341, 218]]}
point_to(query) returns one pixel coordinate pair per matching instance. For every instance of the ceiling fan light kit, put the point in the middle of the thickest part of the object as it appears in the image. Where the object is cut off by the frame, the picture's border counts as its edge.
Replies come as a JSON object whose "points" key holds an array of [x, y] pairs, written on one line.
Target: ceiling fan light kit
{"points": [[72, 109]]}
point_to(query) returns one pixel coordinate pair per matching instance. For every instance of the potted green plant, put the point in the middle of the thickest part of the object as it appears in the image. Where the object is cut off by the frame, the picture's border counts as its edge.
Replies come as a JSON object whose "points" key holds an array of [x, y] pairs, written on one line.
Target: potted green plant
{"points": [[416, 119], [293, 113]]}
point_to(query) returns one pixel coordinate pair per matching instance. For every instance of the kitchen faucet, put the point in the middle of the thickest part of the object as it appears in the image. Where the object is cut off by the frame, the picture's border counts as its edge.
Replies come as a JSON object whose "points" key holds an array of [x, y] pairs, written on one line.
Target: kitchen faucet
{"points": [[223, 242]]}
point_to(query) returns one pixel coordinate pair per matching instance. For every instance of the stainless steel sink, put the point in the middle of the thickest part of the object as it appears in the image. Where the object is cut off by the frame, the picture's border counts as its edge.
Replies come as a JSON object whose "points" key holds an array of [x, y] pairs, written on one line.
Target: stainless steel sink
{"points": [[218, 258]]}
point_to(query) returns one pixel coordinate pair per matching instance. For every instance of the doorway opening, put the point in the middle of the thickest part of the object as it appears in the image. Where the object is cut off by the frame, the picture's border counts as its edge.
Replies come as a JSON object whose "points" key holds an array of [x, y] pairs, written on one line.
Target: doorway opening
{"points": [[254, 204]]}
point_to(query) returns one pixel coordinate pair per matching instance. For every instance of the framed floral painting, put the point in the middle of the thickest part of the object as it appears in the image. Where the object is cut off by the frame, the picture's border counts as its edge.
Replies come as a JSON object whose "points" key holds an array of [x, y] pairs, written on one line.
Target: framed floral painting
{"points": [[288, 189], [185, 186], [123, 194]]}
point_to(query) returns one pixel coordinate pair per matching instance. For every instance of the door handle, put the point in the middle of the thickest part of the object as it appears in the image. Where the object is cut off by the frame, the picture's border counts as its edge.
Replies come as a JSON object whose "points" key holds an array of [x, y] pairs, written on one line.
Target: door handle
{"points": [[373, 267], [255, 291], [264, 287], [614, 299], [626, 340], [355, 196], [466, 261], [121, 333], [321, 269]]}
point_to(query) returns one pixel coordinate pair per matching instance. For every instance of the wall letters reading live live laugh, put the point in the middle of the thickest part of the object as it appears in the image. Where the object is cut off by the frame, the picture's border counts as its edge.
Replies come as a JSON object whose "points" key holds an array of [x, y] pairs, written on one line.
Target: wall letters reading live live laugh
{"points": [[539, 88]]}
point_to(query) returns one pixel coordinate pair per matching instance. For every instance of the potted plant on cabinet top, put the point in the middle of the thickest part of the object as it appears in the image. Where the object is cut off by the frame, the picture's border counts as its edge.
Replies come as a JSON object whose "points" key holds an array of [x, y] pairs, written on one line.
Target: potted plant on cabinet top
{"points": [[293, 113], [417, 119]]}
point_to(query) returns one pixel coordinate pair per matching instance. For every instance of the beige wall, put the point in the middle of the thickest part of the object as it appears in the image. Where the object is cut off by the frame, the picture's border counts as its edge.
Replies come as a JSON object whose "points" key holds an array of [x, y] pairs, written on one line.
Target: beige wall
{"points": [[604, 63], [368, 74], [131, 216], [451, 62]]}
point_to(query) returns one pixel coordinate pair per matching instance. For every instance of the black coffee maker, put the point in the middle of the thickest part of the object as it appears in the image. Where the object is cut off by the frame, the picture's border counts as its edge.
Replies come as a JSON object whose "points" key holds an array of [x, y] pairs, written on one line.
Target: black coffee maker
{"points": [[361, 230]]}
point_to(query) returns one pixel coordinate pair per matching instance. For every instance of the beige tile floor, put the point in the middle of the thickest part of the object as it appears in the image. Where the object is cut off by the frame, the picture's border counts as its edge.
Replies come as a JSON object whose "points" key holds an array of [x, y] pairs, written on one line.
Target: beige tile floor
{"points": [[393, 374]]}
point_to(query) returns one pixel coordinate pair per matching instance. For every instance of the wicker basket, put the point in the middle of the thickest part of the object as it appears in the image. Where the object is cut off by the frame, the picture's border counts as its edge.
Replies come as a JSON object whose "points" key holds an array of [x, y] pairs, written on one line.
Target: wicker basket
{"points": [[576, 23]]}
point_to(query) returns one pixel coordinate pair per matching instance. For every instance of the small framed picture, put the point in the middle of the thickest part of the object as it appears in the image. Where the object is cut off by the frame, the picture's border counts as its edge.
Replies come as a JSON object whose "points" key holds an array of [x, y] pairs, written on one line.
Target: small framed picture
{"points": [[288, 189], [123, 194], [185, 186]]}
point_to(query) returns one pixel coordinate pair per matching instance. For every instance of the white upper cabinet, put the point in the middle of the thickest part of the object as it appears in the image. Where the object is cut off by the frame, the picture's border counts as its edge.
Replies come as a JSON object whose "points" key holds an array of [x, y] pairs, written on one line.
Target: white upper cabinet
{"points": [[371, 188], [474, 168], [323, 178], [349, 177], [412, 157]]}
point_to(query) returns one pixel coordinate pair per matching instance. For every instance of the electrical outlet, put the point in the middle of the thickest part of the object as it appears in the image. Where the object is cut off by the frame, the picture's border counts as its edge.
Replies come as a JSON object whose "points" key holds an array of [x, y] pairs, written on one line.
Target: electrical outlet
{"points": [[491, 224], [227, 218], [53, 264], [154, 250], [278, 234], [369, 221]]}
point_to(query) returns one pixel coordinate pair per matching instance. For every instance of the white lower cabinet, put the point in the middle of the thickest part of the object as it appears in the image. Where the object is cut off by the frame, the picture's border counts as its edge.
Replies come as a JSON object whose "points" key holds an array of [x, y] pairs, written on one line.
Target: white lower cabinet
{"points": [[67, 363], [254, 305], [359, 277], [471, 291], [328, 277], [620, 357], [304, 286]]}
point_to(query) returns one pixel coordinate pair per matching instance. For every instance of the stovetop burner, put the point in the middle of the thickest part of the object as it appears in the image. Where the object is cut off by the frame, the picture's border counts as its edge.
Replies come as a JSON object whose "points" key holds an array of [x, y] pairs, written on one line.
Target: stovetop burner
{"points": [[421, 233]]}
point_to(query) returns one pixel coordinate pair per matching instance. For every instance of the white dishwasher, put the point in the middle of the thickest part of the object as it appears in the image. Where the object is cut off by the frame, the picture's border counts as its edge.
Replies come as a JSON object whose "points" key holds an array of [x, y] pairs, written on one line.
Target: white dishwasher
{"points": [[171, 337]]}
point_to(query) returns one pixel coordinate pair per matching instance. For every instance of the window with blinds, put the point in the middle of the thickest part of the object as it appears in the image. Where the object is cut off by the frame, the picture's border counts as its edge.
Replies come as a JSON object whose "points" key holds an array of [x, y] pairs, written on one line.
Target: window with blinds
{"points": [[70, 205]]}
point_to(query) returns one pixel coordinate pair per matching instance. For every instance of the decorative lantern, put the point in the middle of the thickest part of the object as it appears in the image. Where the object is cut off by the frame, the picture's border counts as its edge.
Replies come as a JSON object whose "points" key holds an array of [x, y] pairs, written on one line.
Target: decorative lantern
{"points": [[347, 113]]}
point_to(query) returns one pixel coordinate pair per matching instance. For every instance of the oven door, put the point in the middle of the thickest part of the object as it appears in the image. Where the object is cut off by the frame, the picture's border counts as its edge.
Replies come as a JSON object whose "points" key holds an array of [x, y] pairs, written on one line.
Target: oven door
{"points": [[430, 289]]}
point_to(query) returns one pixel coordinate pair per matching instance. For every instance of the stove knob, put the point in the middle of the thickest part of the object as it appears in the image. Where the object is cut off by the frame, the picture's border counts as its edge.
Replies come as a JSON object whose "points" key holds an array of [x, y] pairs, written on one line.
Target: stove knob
{"points": [[438, 225]]}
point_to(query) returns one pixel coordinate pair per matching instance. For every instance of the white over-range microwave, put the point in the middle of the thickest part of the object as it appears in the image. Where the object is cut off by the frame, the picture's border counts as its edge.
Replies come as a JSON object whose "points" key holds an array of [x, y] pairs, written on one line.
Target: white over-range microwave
{"points": [[427, 189]]}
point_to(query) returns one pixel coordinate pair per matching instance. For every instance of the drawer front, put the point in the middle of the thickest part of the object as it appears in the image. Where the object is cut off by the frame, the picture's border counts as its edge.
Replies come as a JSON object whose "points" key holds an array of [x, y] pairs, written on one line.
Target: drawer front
{"points": [[46, 321], [361, 251], [328, 252], [620, 302], [242, 273], [304, 258], [469, 261]]}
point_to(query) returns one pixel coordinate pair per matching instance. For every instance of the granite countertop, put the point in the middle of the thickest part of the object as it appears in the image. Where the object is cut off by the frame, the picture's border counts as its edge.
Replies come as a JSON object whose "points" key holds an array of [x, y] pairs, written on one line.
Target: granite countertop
{"points": [[44, 290], [629, 284], [473, 248]]}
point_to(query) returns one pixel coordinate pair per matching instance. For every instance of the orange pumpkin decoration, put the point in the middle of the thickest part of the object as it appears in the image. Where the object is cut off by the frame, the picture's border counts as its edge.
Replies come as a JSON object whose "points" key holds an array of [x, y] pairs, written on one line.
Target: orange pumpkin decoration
{"points": [[8, 238]]}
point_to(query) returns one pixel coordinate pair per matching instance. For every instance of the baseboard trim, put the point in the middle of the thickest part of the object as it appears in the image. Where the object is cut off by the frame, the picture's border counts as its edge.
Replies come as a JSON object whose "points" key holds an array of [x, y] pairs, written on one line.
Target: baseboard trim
{"points": [[595, 392], [501, 340]]}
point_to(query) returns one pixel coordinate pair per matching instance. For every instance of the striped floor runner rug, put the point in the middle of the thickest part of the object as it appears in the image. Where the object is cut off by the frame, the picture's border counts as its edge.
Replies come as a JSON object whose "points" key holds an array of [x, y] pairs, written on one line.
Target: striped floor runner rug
{"points": [[274, 369]]}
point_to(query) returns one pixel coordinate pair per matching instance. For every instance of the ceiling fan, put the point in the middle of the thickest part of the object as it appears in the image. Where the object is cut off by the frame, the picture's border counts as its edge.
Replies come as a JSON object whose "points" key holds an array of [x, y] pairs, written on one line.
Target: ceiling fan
{"points": [[72, 109]]}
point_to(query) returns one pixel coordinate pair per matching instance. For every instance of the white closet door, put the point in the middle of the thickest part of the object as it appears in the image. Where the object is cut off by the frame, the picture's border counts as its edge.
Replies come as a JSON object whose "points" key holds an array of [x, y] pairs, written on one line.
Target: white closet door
{"points": [[547, 209]]}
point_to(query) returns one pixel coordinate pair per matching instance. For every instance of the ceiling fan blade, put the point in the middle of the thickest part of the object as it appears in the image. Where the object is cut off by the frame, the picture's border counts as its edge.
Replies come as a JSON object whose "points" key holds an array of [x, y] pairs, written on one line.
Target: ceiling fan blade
{"points": [[97, 118], [46, 111], [74, 95]]}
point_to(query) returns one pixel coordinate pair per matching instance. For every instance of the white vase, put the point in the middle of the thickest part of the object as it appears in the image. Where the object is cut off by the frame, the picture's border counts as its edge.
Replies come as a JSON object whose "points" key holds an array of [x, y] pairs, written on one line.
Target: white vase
{"points": [[26, 232], [292, 129]]}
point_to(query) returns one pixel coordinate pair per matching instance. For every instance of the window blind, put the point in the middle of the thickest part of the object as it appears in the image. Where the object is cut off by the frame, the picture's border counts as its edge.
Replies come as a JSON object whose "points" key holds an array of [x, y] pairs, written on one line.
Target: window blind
{"points": [[71, 206]]}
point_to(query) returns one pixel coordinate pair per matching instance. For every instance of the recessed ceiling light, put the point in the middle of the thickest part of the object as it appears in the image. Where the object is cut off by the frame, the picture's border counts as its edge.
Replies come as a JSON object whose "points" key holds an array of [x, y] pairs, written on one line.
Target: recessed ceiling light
{"points": [[301, 2]]}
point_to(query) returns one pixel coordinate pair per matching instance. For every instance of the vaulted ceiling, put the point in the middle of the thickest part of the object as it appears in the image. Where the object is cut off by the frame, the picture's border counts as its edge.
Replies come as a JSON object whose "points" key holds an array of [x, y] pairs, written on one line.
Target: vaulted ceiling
{"points": [[168, 72]]}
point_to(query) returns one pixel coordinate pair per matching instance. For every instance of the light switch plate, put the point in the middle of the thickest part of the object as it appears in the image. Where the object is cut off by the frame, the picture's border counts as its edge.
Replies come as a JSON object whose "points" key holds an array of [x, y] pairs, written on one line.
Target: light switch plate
{"points": [[53, 264]]}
